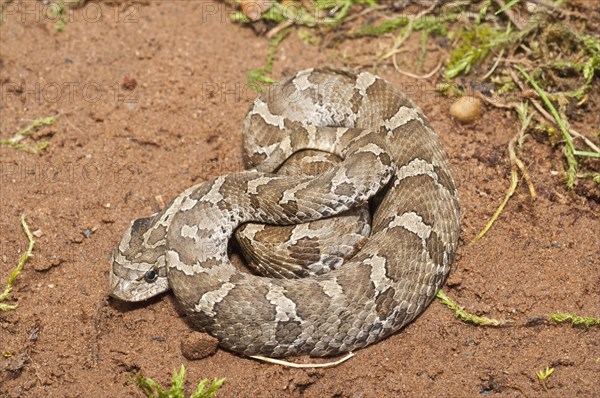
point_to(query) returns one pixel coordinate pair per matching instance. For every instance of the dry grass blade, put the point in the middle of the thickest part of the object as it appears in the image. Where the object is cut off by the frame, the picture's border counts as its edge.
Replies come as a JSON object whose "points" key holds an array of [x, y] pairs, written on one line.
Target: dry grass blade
{"points": [[302, 365], [516, 166]]}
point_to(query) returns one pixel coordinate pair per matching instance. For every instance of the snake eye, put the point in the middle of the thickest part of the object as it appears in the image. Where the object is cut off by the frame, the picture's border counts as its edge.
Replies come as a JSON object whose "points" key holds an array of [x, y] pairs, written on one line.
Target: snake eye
{"points": [[151, 276]]}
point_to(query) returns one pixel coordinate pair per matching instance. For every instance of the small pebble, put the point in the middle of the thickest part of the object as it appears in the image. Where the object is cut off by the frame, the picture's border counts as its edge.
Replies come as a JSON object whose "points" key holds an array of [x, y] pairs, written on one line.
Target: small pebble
{"points": [[129, 83], [466, 109], [37, 233], [198, 345]]}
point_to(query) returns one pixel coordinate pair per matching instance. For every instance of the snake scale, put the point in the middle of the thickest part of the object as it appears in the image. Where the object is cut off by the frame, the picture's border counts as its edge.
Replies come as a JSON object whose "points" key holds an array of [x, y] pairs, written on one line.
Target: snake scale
{"points": [[389, 151]]}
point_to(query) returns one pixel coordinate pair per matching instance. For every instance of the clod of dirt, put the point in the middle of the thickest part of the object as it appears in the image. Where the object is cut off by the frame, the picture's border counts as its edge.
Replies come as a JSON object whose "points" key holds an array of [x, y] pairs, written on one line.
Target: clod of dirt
{"points": [[588, 189], [48, 263], [198, 346], [16, 365], [466, 109], [129, 83]]}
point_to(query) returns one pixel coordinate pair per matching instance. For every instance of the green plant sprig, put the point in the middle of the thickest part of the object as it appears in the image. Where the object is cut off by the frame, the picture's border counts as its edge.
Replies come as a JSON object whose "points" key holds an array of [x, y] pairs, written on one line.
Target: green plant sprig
{"points": [[261, 75], [177, 390], [15, 272], [570, 151], [575, 320], [543, 375], [465, 316], [16, 141]]}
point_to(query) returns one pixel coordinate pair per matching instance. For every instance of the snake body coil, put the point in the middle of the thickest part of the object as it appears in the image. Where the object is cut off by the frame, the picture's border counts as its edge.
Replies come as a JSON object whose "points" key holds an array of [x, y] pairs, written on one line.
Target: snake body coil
{"points": [[387, 146]]}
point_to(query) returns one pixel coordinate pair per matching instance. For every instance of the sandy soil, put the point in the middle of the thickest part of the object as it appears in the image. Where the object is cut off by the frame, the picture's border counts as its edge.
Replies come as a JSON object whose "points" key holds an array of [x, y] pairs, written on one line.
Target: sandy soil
{"points": [[151, 100]]}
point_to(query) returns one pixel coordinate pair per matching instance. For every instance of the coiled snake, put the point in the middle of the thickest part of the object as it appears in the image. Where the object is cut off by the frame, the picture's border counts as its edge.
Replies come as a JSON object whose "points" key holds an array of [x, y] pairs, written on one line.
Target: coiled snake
{"points": [[387, 146]]}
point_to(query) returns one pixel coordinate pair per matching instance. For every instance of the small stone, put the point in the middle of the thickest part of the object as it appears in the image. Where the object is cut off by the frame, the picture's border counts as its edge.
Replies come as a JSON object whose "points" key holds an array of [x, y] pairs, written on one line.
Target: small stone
{"points": [[466, 109], [198, 346], [37, 233], [253, 9], [129, 83]]}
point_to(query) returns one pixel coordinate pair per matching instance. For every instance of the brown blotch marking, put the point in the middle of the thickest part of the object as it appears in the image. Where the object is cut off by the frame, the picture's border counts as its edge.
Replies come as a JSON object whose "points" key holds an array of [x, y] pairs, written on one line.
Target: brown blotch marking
{"points": [[287, 331], [268, 236], [299, 140], [444, 178], [388, 100], [407, 251], [290, 207], [275, 105], [211, 263], [435, 247], [271, 134], [356, 101], [317, 185], [418, 143], [361, 272], [344, 189], [317, 167], [310, 300], [201, 191], [157, 234], [420, 198], [253, 306], [306, 249], [254, 201], [385, 159], [256, 158], [384, 303], [191, 252], [150, 255], [141, 225], [296, 128]]}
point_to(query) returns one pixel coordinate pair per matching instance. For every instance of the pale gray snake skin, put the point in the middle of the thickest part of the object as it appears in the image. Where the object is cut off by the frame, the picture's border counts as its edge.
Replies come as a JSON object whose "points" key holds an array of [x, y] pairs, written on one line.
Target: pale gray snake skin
{"points": [[387, 146]]}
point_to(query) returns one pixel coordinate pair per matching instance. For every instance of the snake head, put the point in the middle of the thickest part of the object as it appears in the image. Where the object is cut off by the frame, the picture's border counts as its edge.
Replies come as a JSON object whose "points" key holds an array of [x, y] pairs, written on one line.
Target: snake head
{"points": [[138, 268]]}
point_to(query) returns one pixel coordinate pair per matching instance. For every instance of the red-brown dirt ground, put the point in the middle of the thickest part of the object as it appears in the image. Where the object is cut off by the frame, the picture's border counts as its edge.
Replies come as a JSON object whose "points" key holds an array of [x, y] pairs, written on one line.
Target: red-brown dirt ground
{"points": [[150, 99]]}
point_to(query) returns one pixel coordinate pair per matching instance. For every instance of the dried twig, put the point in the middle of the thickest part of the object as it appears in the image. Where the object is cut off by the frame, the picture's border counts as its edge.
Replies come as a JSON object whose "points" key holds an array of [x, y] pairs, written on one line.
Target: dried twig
{"points": [[498, 59], [516, 166]]}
